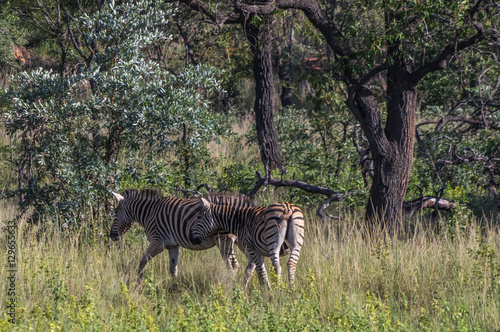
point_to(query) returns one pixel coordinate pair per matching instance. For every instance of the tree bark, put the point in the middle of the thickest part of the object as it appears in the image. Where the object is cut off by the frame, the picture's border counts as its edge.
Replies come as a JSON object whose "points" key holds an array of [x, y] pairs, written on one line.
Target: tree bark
{"points": [[260, 40], [393, 164]]}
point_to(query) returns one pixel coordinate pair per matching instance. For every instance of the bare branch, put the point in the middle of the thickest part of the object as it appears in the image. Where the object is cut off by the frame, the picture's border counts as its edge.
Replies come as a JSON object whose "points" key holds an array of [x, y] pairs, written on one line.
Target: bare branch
{"points": [[188, 192], [468, 158], [446, 119], [204, 185], [185, 37], [73, 39], [332, 196], [441, 61], [427, 202], [330, 199]]}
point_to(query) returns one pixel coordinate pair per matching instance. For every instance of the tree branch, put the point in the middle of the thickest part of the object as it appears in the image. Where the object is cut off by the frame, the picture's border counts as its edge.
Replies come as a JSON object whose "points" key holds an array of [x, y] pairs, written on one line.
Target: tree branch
{"points": [[470, 158], [444, 120], [74, 41], [262, 8], [185, 37], [427, 202], [218, 18], [333, 35], [374, 71], [440, 62], [332, 196]]}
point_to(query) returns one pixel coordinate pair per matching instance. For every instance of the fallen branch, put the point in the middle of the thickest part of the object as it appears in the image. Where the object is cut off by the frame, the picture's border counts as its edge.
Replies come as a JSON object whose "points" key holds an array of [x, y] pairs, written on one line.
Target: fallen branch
{"points": [[195, 192], [332, 196], [427, 202]]}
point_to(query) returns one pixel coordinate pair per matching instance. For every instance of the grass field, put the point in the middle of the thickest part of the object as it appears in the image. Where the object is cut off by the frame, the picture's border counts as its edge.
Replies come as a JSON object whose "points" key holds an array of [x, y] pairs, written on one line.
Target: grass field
{"points": [[435, 275], [430, 278]]}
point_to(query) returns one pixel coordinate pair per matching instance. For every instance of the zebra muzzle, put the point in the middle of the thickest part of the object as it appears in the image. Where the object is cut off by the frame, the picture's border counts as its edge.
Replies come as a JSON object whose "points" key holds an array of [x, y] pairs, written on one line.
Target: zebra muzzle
{"points": [[114, 236]]}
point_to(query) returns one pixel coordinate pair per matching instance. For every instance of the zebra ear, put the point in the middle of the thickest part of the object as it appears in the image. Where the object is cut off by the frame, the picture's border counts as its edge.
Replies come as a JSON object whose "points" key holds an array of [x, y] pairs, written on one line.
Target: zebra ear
{"points": [[118, 196], [204, 204]]}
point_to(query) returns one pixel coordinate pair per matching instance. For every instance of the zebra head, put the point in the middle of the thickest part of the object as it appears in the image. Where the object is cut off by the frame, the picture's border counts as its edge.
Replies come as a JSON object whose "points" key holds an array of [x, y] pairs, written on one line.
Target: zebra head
{"points": [[122, 221], [204, 225]]}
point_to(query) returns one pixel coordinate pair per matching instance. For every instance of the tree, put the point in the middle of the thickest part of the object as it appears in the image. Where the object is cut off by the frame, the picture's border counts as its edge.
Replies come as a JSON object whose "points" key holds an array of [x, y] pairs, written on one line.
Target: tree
{"points": [[260, 39], [405, 40], [68, 133], [459, 138], [258, 33]]}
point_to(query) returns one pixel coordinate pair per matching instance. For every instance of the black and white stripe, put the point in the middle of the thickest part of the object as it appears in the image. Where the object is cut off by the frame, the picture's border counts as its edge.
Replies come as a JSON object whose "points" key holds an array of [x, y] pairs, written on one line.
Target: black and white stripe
{"points": [[261, 232], [167, 223]]}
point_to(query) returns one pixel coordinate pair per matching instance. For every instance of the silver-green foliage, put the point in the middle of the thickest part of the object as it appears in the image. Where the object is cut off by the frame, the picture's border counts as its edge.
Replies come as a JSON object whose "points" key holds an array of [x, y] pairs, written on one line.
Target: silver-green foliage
{"points": [[69, 132]]}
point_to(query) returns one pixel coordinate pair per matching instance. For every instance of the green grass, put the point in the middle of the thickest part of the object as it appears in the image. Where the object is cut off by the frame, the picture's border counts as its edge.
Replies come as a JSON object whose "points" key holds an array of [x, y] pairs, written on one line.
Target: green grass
{"points": [[346, 280]]}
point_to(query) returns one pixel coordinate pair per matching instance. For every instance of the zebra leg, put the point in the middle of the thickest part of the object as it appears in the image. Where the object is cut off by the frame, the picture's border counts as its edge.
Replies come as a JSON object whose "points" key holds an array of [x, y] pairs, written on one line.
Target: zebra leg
{"points": [[151, 251], [173, 254], [248, 273], [232, 256], [261, 270], [225, 243], [277, 216], [275, 234], [295, 238], [292, 264]]}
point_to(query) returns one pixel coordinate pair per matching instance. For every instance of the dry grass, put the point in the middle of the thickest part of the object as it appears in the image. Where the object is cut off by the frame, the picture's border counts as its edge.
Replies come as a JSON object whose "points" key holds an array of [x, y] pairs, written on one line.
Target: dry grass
{"points": [[427, 280], [432, 276], [236, 145]]}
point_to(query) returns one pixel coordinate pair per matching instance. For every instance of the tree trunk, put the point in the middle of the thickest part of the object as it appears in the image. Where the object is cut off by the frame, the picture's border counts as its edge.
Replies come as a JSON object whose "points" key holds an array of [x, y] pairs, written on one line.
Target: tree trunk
{"points": [[259, 38], [64, 56], [388, 189], [392, 163]]}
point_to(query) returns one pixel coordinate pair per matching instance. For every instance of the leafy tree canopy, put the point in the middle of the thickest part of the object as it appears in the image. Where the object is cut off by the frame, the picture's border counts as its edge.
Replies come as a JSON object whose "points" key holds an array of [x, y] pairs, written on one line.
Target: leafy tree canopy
{"points": [[71, 131]]}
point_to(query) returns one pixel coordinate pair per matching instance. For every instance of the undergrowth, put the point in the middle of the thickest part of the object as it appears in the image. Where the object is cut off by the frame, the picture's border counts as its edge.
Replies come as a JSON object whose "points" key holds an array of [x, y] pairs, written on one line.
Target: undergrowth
{"points": [[346, 281]]}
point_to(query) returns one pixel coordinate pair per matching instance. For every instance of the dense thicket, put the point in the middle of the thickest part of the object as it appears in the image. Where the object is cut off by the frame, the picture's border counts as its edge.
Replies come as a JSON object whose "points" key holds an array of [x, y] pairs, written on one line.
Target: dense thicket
{"points": [[384, 101]]}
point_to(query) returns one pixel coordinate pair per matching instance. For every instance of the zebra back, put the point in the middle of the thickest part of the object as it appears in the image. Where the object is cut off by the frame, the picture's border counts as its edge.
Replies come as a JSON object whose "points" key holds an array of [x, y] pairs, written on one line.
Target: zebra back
{"points": [[229, 199], [166, 220], [146, 194]]}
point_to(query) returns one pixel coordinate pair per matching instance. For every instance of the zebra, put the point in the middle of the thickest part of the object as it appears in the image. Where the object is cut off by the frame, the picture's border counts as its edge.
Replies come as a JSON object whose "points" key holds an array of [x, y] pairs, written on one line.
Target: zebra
{"points": [[261, 231], [167, 222]]}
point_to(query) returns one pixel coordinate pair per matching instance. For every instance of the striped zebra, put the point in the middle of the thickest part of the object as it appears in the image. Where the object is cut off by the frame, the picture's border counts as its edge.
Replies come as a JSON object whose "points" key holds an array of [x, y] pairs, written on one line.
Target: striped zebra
{"points": [[261, 232], [167, 222]]}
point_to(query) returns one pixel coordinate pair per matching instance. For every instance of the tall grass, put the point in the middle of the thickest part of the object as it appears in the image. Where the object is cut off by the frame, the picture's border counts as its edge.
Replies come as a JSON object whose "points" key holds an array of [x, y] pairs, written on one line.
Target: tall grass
{"points": [[235, 146], [432, 276], [434, 279]]}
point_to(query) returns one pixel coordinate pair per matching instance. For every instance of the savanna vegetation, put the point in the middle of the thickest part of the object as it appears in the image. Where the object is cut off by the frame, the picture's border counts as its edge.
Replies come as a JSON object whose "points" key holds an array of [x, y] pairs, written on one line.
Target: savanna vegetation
{"points": [[380, 119]]}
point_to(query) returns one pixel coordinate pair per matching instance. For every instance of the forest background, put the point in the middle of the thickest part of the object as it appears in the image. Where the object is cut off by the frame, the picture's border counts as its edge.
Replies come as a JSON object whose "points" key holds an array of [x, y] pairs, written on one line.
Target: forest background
{"points": [[364, 113]]}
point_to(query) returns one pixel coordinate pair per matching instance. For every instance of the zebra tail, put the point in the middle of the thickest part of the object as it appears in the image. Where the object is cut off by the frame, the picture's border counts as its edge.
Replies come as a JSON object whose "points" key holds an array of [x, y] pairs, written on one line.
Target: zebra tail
{"points": [[279, 212]]}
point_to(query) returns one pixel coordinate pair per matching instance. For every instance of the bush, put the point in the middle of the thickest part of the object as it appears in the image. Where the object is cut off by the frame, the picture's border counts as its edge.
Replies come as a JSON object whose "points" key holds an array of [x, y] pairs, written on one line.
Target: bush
{"points": [[70, 132]]}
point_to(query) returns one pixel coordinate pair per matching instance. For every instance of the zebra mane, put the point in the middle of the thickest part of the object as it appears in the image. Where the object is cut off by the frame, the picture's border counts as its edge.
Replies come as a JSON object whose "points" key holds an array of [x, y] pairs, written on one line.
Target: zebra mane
{"points": [[146, 194], [240, 200]]}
